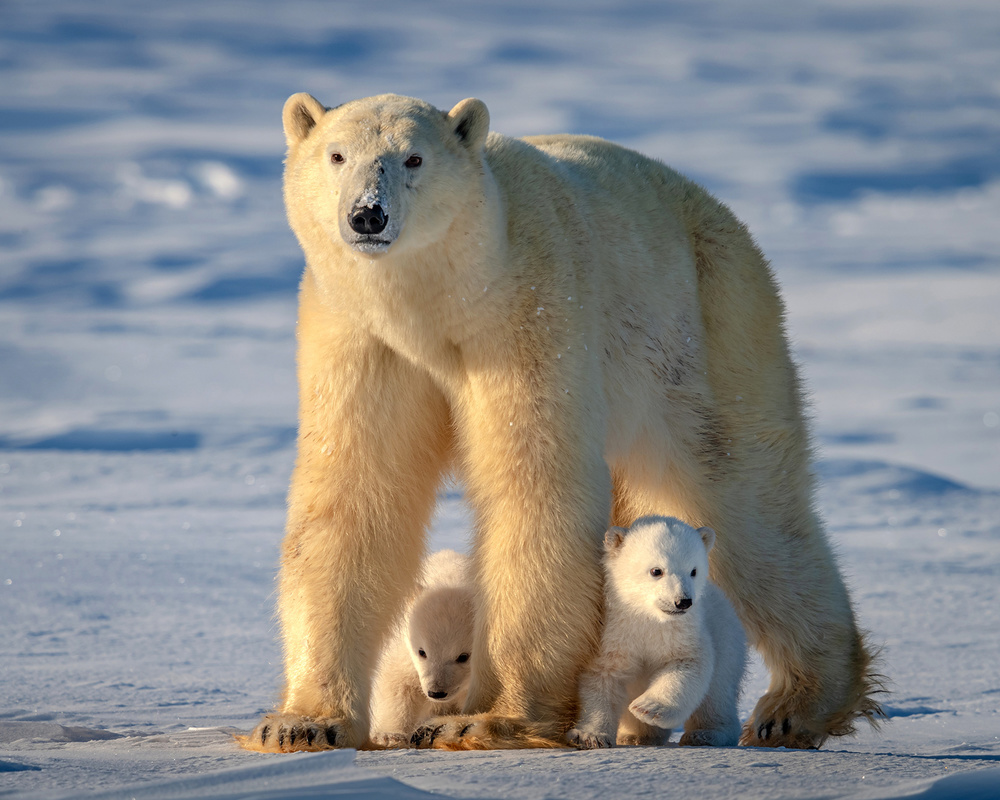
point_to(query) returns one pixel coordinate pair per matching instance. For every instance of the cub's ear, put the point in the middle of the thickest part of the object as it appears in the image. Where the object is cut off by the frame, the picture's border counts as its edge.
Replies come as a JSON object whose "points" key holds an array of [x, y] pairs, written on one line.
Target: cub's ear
{"points": [[614, 539], [301, 113], [708, 537], [470, 121]]}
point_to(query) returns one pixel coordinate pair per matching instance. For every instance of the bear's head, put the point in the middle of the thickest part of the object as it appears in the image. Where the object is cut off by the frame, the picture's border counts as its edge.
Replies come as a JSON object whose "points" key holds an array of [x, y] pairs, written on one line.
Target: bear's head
{"points": [[658, 566], [385, 173], [440, 637]]}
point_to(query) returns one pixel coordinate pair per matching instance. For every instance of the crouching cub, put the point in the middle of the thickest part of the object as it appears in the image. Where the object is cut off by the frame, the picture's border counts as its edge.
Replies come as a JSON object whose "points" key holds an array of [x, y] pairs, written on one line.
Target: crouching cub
{"points": [[673, 649], [425, 668]]}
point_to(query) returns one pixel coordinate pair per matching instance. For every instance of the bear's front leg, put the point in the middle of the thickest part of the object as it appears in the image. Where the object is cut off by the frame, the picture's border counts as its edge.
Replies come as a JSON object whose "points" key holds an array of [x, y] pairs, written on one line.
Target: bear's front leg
{"points": [[674, 693], [536, 479], [373, 439]]}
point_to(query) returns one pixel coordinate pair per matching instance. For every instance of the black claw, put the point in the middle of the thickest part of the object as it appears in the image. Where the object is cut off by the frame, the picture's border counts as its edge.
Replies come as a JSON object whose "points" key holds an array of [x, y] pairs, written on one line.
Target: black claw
{"points": [[418, 735], [465, 730], [434, 734], [786, 727], [310, 735], [331, 737], [764, 731], [281, 737], [264, 733], [292, 736]]}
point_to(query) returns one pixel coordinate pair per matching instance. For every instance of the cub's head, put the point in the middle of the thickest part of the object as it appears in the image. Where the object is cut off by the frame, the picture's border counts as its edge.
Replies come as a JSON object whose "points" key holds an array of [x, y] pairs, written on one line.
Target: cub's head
{"points": [[379, 174], [440, 638], [659, 566]]}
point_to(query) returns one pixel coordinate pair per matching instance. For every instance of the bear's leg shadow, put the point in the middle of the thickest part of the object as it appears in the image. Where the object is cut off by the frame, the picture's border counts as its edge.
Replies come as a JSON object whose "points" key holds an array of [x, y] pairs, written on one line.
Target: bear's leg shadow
{"points": [[373, 441]]}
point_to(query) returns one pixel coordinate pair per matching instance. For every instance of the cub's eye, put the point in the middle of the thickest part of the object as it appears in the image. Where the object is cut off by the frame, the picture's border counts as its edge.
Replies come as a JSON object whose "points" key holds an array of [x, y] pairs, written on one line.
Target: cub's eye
{"points": [[694, 572], [337, 158], [413, 162], [421, 653], [656, 572], [462, 658]]}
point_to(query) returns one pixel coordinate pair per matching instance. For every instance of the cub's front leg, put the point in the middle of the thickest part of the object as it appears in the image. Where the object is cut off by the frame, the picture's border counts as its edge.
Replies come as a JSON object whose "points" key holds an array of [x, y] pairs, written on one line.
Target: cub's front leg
{"points": [[673, 694], [373, 439], [602, 698]]}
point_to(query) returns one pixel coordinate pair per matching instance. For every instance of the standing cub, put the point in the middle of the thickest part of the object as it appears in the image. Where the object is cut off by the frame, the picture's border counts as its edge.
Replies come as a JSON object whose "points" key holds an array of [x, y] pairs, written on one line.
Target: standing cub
{"points": [[672, 648], [425, 666]]}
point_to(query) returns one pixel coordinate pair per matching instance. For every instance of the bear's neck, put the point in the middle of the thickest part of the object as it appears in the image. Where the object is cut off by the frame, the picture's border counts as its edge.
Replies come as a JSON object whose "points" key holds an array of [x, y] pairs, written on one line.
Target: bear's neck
{"points": [[428, 303]]}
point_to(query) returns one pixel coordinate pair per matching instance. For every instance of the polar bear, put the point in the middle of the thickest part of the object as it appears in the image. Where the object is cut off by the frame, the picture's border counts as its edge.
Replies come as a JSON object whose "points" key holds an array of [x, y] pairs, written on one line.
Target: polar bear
{"points": [[672, 647], [581, 337], [425, 668]]}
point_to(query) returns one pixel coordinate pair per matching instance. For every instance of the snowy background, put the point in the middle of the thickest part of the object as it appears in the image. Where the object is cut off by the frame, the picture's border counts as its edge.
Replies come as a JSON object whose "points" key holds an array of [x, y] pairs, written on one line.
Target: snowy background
{"points": [[147, 397]]}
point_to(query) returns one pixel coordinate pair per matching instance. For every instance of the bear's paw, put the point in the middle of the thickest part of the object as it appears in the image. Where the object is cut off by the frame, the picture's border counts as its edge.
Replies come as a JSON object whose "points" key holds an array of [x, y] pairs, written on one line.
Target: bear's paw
{"points": [[655, 713], [710, 738], [589, 740], [290, 733], [484, 732], [782, 722]]}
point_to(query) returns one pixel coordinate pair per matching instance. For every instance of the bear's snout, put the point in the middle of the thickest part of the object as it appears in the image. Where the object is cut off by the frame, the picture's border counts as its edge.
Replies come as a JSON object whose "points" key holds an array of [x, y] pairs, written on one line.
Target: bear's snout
{"points": [[368, 220], [678, 606], [437, 695]]}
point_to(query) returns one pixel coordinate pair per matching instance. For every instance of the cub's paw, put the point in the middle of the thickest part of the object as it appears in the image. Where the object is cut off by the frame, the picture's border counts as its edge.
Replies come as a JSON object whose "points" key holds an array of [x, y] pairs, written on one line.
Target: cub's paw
{"points": [[289, 733], [483, 732], [710, 738], [654, 713], [391, 741], [773, 724], [588, 740]]}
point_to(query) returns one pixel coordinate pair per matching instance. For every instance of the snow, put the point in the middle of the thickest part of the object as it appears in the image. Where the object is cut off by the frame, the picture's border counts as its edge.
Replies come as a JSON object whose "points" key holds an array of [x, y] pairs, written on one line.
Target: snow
{"points": [[147, 397]]}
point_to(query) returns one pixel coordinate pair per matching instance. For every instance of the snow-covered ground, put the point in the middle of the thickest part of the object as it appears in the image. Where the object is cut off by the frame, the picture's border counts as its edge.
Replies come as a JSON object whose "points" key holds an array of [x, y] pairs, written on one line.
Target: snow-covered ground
{"points": [[147, 398]]}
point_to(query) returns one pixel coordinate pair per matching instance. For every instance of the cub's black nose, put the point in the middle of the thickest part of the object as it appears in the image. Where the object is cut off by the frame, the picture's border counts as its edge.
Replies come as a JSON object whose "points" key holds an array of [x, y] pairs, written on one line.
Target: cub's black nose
{"points": [[437, 695], [369, 220], [683, 604]]}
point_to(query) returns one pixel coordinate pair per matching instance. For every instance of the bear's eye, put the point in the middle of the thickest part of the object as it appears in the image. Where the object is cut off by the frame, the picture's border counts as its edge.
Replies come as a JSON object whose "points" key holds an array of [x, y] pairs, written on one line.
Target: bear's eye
{"points": [[462, 658], [694, 572], [413, 162], [421, 653], [337, 158], [656, 572]]}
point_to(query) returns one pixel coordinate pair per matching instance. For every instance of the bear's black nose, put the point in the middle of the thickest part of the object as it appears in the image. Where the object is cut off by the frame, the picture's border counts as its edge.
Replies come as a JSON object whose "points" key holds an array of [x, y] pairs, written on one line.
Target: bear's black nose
{"points": [[683, 604], [369, 220], [437, 695]]}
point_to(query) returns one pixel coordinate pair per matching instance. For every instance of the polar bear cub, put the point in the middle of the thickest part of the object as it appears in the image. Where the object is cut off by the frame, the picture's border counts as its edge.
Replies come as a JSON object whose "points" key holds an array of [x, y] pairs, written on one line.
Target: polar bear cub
{"points": [[673, 648], [425, 667]]}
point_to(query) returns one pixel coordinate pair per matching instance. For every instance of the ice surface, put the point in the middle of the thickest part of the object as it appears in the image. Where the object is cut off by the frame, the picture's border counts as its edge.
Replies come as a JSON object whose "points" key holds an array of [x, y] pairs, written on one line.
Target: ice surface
{"points": [[147, 398]]}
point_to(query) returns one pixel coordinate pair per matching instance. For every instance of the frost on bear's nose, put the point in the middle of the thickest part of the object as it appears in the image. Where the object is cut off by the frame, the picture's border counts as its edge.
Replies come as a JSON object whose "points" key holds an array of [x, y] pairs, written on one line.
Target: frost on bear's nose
{"points": [[369, 220], [683, 604]]}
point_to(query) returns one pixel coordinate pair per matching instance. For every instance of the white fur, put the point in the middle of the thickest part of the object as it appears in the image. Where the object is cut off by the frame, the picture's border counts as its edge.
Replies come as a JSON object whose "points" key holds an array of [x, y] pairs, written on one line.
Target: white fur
{"points": [[425, 668], [582, 337], [672, 649]]}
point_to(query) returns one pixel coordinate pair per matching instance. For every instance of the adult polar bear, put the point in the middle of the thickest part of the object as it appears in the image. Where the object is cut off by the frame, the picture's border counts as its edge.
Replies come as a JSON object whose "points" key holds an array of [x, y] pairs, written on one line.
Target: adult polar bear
{"points": [[584, 337]]}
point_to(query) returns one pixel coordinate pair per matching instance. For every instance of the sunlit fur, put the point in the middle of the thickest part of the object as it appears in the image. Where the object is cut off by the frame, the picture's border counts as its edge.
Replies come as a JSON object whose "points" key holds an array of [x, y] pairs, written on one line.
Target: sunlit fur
{"points": [[582, 336]]}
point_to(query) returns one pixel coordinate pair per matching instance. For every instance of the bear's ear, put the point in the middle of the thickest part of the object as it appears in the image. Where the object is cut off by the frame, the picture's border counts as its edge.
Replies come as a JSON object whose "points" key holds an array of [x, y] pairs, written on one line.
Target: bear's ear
{"points": [[614, 538], [470, 121], [708, 537], [301, 113]]}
